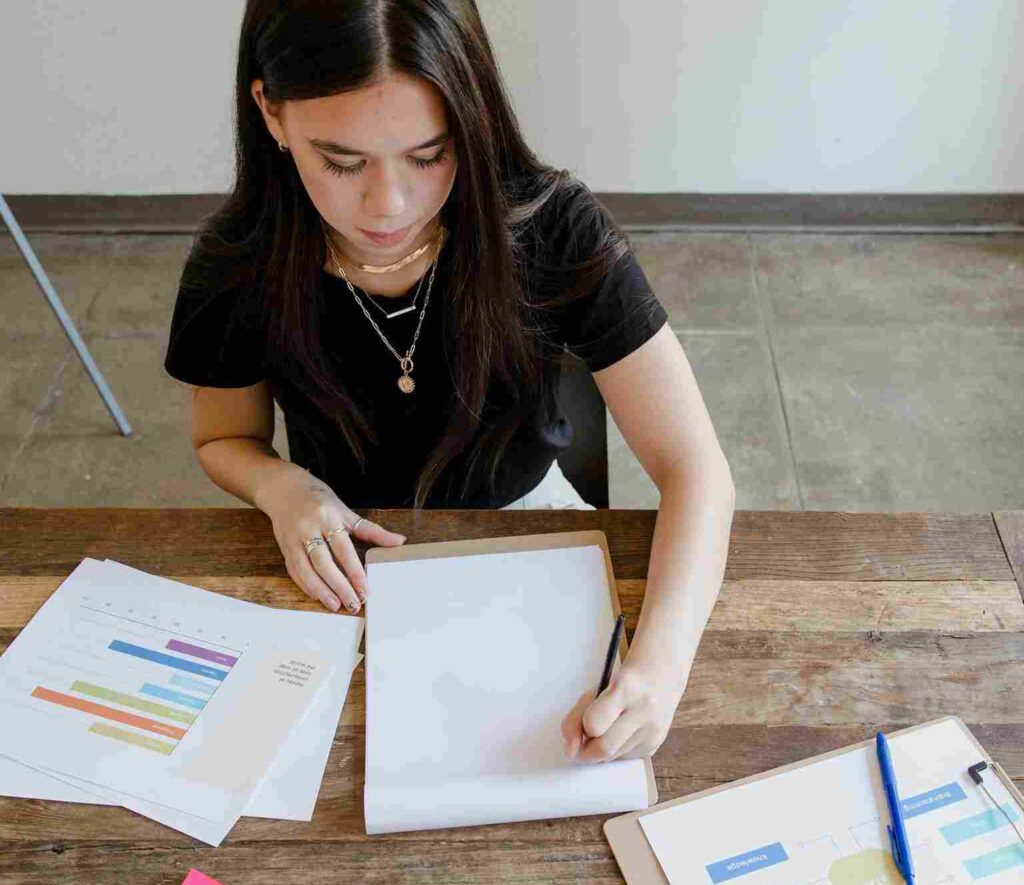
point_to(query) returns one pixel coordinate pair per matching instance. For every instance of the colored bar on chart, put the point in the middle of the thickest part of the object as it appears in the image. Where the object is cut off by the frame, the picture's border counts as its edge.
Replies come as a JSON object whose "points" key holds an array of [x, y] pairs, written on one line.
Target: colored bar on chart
{"points": [[168, 660], [129, 737], [748, 862], [978, 825], [192, 684], [998, 861], [933, 800], [127, 700], [216, 657], [66, 700], [176, 697]]}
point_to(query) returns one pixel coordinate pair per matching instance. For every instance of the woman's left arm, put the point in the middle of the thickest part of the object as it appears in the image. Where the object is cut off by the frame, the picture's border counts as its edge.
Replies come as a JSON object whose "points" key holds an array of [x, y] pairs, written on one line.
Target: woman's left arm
{"points": [[653, 396]]}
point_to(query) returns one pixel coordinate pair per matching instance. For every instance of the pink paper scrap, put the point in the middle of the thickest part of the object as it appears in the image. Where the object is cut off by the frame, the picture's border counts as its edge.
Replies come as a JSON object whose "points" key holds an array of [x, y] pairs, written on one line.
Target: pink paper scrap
{"points": [[194, 877]]}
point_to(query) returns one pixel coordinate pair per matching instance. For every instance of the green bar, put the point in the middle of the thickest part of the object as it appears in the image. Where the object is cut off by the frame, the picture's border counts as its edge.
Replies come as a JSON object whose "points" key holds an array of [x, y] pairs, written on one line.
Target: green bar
{"points": [[995, 862], [129, 737], [127, 700], [978, 824]]}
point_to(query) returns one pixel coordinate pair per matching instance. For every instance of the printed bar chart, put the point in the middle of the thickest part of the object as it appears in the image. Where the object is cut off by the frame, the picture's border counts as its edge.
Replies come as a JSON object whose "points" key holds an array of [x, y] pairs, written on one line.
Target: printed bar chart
{"points": [[73, 703], [140, 707], [157, 657]]}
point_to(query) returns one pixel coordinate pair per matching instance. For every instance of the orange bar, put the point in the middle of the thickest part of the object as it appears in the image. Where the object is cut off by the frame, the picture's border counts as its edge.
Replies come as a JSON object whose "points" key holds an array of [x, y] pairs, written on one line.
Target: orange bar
{"points": [[66, 700]]}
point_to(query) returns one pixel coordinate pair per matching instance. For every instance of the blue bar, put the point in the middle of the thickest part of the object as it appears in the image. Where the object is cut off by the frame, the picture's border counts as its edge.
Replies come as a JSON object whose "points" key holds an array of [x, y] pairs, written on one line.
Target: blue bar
{"points": [[977, 825], [995, 862], [155, 691], [168, 660], [192, 684], [748, 862], [933, 800]]}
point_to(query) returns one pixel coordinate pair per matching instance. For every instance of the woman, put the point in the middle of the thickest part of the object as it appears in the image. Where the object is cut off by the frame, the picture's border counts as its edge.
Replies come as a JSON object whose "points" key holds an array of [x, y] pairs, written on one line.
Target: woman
{"points": [[400, 273]]}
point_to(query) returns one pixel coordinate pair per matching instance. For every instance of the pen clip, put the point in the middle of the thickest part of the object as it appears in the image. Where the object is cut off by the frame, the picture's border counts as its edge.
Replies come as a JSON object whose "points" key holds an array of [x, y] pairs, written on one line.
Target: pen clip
{"points": [[897, 856]]}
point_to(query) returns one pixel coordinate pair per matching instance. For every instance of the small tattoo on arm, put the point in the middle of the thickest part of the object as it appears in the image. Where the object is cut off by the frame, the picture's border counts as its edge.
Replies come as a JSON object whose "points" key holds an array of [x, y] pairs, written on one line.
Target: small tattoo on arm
{"points": [[319, 488]]}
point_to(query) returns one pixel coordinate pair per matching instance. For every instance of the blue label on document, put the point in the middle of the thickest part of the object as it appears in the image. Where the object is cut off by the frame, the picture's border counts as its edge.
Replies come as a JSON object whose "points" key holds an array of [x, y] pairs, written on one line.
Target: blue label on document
{"points": [[748, 862], [932, 800], [998, 861]]}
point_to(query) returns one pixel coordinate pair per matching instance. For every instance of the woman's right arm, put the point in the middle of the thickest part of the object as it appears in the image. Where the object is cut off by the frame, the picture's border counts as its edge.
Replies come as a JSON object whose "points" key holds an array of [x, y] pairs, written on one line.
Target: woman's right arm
{"points": [[232, 434]]}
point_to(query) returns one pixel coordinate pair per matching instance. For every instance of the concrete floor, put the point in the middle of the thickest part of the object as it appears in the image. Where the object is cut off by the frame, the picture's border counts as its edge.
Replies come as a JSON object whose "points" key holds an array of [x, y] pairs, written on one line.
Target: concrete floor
{"points": [[842, 371]]}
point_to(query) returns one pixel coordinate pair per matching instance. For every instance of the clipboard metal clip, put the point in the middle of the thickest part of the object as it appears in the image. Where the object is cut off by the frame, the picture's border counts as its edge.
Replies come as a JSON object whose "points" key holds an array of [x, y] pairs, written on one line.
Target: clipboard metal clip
{"points": [[975, 774]]}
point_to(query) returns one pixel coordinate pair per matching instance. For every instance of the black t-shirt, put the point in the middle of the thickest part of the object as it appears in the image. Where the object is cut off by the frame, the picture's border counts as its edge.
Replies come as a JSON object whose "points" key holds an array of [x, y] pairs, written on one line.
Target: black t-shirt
{"points": [[218, 339]]}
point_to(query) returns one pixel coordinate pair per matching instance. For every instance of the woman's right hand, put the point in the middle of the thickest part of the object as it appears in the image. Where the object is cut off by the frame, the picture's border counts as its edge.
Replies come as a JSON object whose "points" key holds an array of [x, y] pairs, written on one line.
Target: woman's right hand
{"points": [[302, 507]]}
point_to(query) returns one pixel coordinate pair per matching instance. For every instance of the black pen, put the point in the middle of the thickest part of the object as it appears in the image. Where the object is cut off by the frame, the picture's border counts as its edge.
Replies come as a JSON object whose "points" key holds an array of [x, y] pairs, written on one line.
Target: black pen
{"points": [[613, 647], [609, 662]]}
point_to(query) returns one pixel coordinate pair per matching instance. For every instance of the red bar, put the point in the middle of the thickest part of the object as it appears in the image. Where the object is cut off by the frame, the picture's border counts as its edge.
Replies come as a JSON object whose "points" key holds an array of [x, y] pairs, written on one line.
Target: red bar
{"points": [[66, 700]]}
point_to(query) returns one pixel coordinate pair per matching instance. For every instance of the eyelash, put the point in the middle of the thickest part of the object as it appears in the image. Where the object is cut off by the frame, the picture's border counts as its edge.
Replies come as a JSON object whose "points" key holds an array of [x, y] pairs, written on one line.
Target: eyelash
{"points": [[335, 169]]}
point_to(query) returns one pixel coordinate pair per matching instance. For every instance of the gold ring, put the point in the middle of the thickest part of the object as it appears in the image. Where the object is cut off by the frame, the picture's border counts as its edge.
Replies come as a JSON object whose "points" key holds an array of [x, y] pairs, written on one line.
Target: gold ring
{"points": [[313, 543], [338, 531], [355, 525]]}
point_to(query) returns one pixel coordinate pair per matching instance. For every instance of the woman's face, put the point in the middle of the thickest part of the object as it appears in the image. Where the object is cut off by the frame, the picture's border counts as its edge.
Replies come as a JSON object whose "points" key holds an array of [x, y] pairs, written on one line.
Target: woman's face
{"points": [[378, 159]]}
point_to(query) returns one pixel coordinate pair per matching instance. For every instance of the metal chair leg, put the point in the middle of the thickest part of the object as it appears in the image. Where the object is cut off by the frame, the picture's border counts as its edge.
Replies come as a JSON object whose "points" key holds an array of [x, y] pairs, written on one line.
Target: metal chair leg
{"points": [[65, 320]]}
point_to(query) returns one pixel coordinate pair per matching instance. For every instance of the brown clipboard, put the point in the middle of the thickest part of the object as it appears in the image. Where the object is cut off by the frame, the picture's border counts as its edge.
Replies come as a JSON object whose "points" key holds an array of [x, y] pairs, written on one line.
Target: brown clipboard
{"points": [[633, 852], [519, 544]]}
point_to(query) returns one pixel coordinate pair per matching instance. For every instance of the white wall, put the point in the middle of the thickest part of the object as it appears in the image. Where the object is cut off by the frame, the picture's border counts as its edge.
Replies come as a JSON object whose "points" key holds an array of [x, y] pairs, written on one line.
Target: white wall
{"points": [[134, 96]]}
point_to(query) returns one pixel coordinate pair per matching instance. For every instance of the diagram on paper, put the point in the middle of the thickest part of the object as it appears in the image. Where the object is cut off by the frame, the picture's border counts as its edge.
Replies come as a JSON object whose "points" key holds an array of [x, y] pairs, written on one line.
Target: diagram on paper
{"points": [[971, 841], [127, 676]]}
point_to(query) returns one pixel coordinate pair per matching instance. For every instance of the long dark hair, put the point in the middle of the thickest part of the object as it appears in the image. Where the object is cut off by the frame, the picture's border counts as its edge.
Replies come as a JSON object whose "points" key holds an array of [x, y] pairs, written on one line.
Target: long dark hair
{"points": [[269, 232]]}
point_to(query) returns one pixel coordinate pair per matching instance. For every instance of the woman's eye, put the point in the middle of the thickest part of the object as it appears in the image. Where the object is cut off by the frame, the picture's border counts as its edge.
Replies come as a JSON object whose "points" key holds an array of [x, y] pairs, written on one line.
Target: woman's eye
{"points": [[432, 161], [355, 169], [335, 169]]}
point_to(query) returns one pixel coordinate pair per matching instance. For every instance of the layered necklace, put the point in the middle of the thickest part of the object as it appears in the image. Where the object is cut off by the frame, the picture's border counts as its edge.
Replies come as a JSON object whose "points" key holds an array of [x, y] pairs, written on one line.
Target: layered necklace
{"points": [[405, 382]]}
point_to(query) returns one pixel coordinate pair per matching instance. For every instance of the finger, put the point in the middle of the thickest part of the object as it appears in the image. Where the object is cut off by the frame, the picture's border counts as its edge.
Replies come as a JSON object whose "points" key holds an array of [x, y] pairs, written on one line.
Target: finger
{"points": [[321, 559], [373, 533], [572, 725], [605, 709], [345, 553], [633, 747], [309, 582], [603, 748]]}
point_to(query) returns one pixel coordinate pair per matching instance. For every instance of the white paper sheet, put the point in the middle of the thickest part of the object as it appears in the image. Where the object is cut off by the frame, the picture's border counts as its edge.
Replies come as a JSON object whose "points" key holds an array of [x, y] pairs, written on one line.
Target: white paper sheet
{"points": [[472, 663], [289, 791], [826, 822], [274, 659]]}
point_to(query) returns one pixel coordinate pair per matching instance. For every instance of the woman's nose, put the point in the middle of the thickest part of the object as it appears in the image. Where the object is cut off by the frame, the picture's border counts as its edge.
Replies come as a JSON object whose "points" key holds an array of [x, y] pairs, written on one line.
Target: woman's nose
{"points": [[385, 196]]}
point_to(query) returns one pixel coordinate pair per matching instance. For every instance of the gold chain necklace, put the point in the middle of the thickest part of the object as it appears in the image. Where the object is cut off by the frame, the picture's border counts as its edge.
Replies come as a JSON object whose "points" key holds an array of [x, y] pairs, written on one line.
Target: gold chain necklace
{"points": [[385, 268], [405, 382]]}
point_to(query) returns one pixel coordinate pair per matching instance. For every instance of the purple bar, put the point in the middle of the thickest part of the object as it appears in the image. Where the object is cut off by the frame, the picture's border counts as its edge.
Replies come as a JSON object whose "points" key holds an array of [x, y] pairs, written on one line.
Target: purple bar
{"points": [[204, 653]]}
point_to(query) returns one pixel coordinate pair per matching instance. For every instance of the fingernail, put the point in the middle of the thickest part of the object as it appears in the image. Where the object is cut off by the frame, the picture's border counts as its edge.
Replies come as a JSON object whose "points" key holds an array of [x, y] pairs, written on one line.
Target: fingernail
{"points": [[402, 537], [362, 596], [333, 604]]}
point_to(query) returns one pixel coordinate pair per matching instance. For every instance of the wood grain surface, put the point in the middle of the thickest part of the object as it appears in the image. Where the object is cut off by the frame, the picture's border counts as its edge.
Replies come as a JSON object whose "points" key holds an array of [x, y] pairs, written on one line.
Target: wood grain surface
{"points": [[829, 627]]}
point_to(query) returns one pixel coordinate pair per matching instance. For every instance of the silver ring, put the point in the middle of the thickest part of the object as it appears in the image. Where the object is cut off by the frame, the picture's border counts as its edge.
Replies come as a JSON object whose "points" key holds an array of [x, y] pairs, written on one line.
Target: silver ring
{"points": [[355, 525], [313, 543], [338, 531]]}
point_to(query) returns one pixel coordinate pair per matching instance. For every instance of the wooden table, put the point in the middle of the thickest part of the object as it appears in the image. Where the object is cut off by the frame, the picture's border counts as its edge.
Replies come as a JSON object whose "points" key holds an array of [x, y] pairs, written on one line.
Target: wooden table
{"points": [[829, 626]]}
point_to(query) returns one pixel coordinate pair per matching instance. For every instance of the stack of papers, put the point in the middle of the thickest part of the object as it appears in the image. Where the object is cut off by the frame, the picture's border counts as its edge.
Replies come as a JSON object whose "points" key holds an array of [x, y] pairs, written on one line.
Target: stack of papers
{"points": [[183, 705], [473, 661]]}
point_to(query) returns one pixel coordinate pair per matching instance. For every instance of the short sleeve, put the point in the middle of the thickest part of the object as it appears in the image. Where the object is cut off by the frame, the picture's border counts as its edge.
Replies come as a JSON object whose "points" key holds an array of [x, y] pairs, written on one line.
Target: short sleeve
{"points": [[617, 314], [614, 318], [217, 337]]}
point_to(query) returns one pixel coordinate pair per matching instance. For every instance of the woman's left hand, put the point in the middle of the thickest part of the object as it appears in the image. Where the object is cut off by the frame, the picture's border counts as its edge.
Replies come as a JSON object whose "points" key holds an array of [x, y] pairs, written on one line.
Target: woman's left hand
{"points": [[630, 719]]}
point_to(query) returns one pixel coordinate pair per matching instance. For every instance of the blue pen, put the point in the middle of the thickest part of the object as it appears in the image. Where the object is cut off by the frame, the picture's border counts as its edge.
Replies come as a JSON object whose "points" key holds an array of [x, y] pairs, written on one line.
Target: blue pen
{"points": [[897, 829]]}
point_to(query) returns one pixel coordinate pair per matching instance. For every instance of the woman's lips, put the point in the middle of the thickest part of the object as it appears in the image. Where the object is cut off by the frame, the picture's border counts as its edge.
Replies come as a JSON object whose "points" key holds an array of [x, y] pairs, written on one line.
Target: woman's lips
{"points": [[391, 239]]}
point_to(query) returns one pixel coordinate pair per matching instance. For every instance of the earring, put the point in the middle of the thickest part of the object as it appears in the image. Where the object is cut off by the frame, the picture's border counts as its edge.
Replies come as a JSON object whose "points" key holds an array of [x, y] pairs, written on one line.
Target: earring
{"points": [[282, 147]]}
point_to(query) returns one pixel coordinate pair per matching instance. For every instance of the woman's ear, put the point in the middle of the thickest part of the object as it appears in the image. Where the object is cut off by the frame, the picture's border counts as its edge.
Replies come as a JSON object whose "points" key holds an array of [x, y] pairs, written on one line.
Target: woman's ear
{"points": [[271, 112]]}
